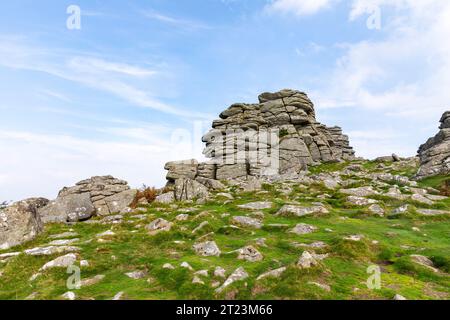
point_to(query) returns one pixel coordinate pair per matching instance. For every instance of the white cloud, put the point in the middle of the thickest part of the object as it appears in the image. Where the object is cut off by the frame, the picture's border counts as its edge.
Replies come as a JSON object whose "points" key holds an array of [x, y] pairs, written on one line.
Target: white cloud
{"points": [[407, 73], [115, 78], [177, 22], [41, 164], [299, 7]]}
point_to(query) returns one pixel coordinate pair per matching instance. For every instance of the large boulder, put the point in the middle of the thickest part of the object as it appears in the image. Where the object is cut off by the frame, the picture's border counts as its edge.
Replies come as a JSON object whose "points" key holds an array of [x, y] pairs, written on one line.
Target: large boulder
{"points": [[435, 153], [188, 189], [20, 222], [102, 195], [69, 208]]}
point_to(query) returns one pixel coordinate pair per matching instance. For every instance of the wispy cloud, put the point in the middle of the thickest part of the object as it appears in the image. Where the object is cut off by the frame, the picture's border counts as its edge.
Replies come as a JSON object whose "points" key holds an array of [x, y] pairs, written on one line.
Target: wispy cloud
{"points": [[174, 21], [116, 78], [299, 7]]}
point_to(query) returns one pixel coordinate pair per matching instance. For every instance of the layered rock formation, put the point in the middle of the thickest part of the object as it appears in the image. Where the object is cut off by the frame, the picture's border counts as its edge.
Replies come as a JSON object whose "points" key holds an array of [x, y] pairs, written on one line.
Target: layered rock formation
{"points": [[279, 135], [435, 153], [20, 222], [98, 195]]}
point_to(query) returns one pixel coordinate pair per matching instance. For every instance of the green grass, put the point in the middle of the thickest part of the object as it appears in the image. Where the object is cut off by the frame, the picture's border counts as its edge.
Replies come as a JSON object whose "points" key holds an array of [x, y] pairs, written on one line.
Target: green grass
{"points": [[387, 243]]}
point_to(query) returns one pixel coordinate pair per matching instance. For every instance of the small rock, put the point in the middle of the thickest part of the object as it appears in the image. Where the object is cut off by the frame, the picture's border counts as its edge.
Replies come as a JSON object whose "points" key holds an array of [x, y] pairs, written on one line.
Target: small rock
{"points": [[238, 275], [376, 209], [197, 280], [207, 249], [182, 217], [321, 285], [200, 227], [159, 225], [421, 199], [168, 266], [220, 272], [186, 266], [360, 201], [247, 222], [257, 205], [250, 254], [301, 211], [424, 261], [92, 281], [69, 296], [303, 228], [355, 237], [60, 262], [399, 297], [108, 233], [273, 273], [136, 275], [118, 296]]}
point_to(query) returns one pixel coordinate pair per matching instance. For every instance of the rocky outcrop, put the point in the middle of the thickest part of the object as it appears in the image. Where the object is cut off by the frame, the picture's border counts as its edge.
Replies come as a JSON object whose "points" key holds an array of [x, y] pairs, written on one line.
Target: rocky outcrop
{"points": [[435, 153], [279, 135], [20, 222], [98, 195]]}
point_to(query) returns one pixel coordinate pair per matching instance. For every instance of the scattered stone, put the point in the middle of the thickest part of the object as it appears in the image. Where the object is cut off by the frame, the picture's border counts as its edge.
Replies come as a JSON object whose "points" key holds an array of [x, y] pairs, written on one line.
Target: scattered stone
{"points": [[360, 192], [108, 233], [431, 212], [69, 296], [84, 263], [168, 266], [220, 272], [261, 205], [63, 242], [247, 222], [238, 275], [307, 260], [92, 281], [272, 274], [250, 254], [64, 235], [399, 297], [355, 237], [200, 227], [186, 266], [182, 217], [421, 199], [61, 262], [301, 211], [376, 209], [159, 225], [188, 189], [320, 285], [225, 195], [360, 201], [136, 275], [20, 222], [197, 280], [424, 261], [118, 296], [400, 210], [303, 228], [207, 249], [47, 251], [165, 198]]}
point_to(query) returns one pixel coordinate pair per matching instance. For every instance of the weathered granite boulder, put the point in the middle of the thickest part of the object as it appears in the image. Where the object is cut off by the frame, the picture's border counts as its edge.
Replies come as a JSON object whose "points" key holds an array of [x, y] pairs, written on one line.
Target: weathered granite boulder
{"points": [[277, 136], [188, 189], [435, 153], [98, 195], [69, 208], [20, 222]]}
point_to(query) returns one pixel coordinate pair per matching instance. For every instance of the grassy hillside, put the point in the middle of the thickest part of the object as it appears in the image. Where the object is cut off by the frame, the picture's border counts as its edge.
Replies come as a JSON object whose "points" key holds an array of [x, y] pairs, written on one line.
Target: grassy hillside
{"points": [[387, 241]]}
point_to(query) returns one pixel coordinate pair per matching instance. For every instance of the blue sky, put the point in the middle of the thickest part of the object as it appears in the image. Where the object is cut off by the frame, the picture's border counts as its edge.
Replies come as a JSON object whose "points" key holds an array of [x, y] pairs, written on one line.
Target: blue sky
{"points": [[141, 81]]}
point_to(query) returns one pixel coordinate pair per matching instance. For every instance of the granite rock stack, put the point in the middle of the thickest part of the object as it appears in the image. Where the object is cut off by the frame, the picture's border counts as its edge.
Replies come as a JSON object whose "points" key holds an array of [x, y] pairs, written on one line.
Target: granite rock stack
{"points": [[435, 153], [277, 136]]}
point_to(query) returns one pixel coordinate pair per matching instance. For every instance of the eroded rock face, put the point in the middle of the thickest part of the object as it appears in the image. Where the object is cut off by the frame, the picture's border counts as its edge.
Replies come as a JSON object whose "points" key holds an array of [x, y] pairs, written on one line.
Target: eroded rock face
{"points": [[20, 222], [101, 195], [435, 153], [277, 136]]}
